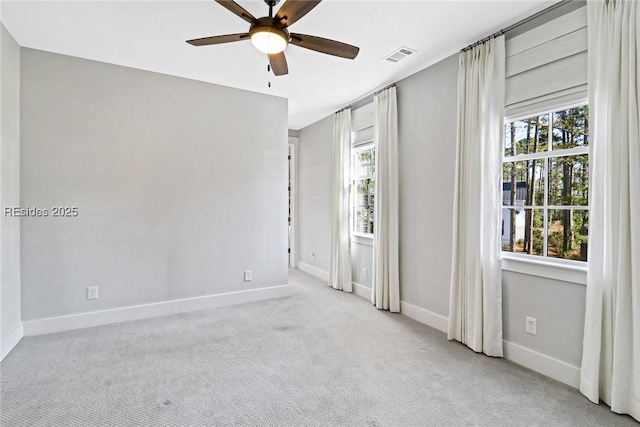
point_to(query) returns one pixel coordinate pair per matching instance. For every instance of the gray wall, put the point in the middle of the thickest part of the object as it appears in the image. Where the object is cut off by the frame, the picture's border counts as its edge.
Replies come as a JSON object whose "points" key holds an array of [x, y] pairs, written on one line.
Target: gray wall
{"points": [[558, 306], [427, 108], [314, 193], [361, 258], [10, 183], [180, 185], [314, 204]]}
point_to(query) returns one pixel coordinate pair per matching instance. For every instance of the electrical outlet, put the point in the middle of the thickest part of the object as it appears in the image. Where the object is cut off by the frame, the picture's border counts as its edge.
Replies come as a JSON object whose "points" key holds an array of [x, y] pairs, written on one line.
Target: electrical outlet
{"points": [[531, 325], [248, 275], [313, 255], [365, 272], [92, 292]]}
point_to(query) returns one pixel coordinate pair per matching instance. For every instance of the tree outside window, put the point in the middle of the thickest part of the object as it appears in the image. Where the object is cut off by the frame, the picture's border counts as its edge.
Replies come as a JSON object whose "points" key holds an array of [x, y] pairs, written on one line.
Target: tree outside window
{"points": [[545, 185], [363, 190]]}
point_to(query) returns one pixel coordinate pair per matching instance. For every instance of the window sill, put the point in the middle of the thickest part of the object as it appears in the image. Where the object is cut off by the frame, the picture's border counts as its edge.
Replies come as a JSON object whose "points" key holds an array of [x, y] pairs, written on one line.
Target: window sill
{"points": [[566, 271], [362, 239]]}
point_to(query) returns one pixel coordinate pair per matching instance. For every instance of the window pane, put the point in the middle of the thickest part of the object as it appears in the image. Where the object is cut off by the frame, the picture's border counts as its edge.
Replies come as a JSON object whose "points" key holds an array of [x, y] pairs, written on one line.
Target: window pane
{"points": [[523, 183], [527, 136], [568, 234], [362, 191], [571, 128], [370, 199], [363, 202], [361, 219], [522, 230], [364, 163], [569, 181]]}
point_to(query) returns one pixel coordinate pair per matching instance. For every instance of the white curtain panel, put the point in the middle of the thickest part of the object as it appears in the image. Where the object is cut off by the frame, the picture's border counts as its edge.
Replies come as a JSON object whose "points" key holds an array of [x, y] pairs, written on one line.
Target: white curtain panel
{"points": [[385, 294], [340, 252], [475, 310], [611, 352]]}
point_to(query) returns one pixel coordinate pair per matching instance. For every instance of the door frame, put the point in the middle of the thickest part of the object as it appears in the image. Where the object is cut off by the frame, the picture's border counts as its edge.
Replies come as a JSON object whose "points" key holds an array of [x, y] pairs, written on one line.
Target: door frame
{"points": [[293, 181]]}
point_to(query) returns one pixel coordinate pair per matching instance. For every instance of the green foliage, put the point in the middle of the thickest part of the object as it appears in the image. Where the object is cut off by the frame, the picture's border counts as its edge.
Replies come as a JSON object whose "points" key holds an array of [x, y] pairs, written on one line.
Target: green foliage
{"points": [[538, 219], [565, 178], [555, 243], [538, 241]]}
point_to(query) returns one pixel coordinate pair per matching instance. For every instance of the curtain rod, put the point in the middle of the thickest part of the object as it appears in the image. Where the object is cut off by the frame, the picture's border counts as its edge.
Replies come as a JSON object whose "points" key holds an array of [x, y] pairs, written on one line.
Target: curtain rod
{"points": [[366, 99], [577, 3], [521, 22]]}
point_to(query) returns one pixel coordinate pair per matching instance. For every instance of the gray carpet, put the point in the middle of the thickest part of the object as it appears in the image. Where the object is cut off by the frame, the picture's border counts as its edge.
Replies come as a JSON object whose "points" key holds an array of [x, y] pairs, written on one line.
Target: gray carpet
{"points": [[313, 359]]}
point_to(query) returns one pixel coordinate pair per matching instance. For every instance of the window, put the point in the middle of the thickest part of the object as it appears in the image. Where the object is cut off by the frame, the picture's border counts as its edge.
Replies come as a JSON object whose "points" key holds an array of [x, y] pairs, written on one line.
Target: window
{"points": [[545, 184], [363, 188]]}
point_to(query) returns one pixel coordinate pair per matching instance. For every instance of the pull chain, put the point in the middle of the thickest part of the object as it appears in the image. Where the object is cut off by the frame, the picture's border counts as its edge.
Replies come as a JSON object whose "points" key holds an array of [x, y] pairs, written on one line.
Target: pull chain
{"points": [[268, 71]]}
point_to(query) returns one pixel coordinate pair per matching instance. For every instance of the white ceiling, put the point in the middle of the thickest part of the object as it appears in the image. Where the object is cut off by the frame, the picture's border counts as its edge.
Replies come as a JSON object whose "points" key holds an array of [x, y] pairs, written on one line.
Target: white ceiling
{"points": [[150, 35]]}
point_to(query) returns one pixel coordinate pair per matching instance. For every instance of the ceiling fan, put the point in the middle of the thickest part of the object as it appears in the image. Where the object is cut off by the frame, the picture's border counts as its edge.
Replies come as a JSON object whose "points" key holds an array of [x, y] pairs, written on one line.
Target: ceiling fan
{"points": [[270, 34]]}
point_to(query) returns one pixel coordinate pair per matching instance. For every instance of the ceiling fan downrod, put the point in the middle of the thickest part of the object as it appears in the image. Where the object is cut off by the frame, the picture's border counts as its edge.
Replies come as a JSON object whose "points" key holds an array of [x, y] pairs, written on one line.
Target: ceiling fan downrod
{"points": [[271, 3]]}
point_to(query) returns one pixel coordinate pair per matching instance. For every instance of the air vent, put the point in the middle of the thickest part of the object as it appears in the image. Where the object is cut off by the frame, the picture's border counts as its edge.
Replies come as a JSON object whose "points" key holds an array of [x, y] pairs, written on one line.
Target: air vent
{"points": [[399, 54]]}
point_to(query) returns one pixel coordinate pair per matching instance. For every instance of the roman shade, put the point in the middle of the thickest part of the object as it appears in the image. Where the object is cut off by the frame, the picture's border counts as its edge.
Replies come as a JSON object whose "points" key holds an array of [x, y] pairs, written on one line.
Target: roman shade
{"points": [[547, 66]]}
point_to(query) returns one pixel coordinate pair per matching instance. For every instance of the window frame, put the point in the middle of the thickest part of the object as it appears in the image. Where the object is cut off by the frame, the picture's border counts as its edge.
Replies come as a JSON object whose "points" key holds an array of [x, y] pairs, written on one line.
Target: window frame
{"points": [[569, 270], [356, 148]]}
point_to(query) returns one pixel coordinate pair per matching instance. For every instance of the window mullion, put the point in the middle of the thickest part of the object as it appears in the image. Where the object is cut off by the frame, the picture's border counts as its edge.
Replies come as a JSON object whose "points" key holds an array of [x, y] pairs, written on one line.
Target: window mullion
{"points": [[563, 173], [359, 182], [547, 154], [545, 211]]}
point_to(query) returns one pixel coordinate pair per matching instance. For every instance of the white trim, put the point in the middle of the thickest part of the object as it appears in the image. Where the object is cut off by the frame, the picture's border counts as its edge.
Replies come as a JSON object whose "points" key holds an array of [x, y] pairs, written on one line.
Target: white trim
{"points": [[584, 100], [362, 239], [363, 145], [563, 270], [531, 359], [314, 271], [525, 109], [546, 365], [362, 291], [293, 256], [560, 152], [427, 317], [10, 341], [116, 315]]}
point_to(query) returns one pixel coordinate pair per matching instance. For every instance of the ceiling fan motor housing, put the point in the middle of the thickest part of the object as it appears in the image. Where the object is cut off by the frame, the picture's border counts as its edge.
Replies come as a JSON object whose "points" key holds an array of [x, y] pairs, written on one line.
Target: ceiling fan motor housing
{"points": [[267, 24]]}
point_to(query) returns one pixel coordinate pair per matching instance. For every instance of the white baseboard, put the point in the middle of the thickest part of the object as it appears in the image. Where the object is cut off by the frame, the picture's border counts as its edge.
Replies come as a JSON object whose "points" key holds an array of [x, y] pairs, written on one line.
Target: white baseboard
{"points": [[546, 365], [314, 271], [531, 359], [116, 315], [358, 289], [361, 291], [10, 341], [427, 317]]}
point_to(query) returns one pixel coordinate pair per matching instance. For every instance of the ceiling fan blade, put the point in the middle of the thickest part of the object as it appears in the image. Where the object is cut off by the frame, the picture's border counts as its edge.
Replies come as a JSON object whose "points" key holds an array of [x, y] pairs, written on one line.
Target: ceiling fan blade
{"points": [[293, 10], [330, 47], [237, 9], [205, 41], [279, 64]]}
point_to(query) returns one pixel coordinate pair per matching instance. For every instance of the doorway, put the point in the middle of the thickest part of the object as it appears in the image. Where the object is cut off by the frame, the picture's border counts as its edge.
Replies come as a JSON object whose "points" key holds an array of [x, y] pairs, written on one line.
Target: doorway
{"points": [[292, 204]]}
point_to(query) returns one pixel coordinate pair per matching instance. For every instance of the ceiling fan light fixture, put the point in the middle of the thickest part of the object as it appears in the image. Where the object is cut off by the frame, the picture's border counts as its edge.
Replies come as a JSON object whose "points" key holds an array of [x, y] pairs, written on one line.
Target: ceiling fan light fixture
{"points": [[268, 39], [270, 34]]}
